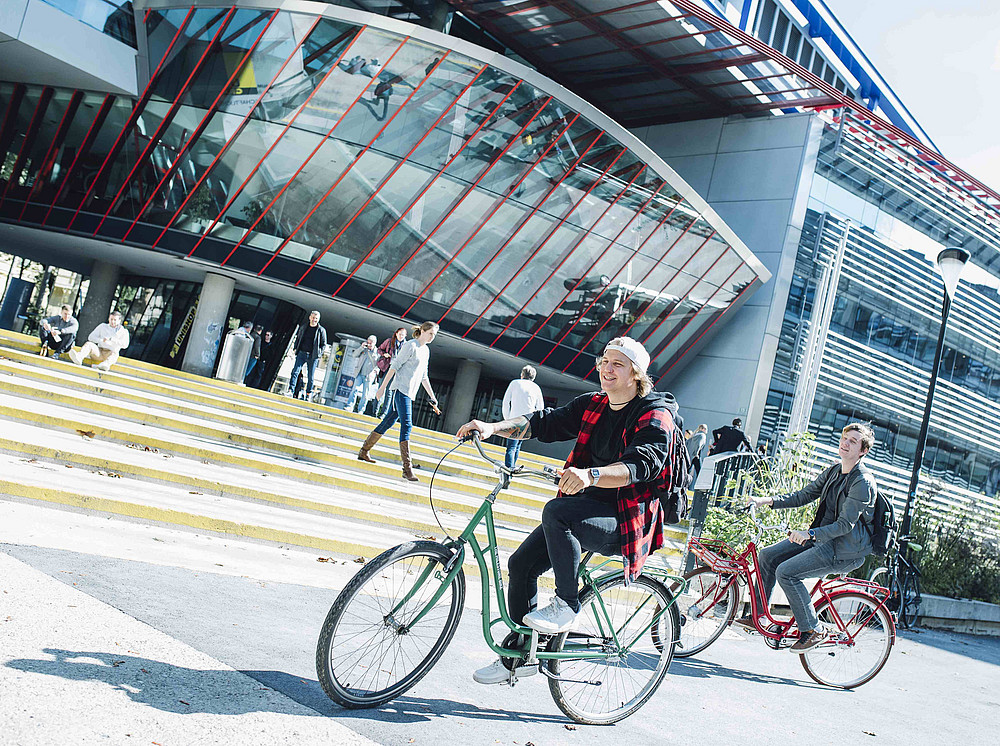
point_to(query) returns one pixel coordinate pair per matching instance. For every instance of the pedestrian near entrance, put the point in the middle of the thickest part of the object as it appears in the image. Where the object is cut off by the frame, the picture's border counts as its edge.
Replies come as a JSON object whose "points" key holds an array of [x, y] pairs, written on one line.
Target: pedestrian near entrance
{"points": [[522, 398], [605, 503], [309, 346], [386, 352], [58, 333], [730, 439], [104, 343], [837, 541], [361, 391], [254, 359], [256, 378], [407, 373], [696, 447]]}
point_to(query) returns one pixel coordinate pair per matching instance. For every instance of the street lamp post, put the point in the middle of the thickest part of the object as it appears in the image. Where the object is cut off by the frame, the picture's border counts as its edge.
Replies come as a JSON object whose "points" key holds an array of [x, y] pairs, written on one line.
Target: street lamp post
{"points": [[950, 263]]}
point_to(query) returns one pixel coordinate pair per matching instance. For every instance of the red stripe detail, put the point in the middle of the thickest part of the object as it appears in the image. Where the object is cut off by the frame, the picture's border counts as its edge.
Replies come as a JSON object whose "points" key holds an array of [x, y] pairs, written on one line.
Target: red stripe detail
{"points": [[133, 117], [88, 138], [424, 190], [202, 125], [239, 129], [259, 163], [315, 150], [597, 261], [576, 245], [347, 170], [386, 180], [621, 269], [551, 232], [30, 135], [50, 155], [167, 119], [496, 205]]}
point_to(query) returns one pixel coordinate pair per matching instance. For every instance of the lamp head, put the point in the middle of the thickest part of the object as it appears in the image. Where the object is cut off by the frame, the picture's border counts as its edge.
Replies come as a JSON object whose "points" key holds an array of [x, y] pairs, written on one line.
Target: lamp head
{"points": [[950, 263]]}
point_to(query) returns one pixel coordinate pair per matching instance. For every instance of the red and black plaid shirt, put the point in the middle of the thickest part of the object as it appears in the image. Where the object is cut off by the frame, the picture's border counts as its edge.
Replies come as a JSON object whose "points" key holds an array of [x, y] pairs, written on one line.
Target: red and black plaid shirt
{"points": [[640, 518]]}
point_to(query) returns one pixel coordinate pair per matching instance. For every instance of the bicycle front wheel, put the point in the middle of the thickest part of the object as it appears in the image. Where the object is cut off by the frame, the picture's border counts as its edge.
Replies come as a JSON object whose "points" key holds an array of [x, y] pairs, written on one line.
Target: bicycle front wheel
{"points": [[855, 654], [909, 600], [620, 677], [706, 609], [370, 649]]}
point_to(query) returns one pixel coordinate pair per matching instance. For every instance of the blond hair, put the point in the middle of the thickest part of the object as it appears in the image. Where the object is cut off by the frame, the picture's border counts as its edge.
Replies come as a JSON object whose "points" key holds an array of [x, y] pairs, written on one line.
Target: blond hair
{"points": [[424, 327], [643, 383]]}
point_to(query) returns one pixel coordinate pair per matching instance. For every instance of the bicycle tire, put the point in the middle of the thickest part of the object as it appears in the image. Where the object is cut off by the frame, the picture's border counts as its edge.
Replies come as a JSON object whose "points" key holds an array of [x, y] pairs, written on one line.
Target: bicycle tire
{"points": [[701, 624], [876, 576], [846, 664], [635, 675], [909, 600], [360, 657]]}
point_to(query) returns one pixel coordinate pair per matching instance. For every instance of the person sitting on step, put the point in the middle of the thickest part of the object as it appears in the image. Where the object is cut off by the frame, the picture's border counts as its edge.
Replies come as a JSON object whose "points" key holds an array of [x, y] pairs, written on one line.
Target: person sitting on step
{"points": [[104, 343]]}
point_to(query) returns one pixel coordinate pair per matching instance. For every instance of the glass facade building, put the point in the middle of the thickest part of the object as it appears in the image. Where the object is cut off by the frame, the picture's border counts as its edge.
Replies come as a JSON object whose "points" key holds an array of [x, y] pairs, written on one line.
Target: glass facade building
{"points": [[389, 167]]}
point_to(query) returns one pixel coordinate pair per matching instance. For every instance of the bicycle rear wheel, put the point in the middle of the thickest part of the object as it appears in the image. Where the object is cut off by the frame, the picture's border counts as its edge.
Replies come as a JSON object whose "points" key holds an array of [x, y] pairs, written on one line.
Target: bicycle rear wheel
{"points": [[706, 609], [618, 679], [369, 651], [855, 655], [909, 600]]}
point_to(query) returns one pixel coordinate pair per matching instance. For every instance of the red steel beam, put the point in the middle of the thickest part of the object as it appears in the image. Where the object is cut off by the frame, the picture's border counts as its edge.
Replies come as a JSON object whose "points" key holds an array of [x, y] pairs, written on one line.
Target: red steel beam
{"points": [[597, 261], [551, 232], [522, 221], [597, 14], [257, 166], [309, 157], [427, 186], [189, 140], [30, 135], [236, 133], [57, 140], [583, 236]]}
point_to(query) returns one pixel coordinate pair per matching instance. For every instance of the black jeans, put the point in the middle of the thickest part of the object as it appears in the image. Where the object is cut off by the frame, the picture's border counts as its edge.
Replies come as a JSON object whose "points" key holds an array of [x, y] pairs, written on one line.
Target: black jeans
{"points": [[570, 525], [63, 345]]}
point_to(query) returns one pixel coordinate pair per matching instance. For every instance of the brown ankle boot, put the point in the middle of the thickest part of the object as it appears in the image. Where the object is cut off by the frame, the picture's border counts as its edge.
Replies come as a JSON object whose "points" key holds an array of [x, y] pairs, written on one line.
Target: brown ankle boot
{"points": [[370, 441], [404, 455]]}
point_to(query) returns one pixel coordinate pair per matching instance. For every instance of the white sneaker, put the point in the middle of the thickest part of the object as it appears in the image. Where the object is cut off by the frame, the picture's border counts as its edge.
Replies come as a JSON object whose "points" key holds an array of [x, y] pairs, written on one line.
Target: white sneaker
{"points": [[554, 618], [75, 357], [103, 366], [498, 673]]}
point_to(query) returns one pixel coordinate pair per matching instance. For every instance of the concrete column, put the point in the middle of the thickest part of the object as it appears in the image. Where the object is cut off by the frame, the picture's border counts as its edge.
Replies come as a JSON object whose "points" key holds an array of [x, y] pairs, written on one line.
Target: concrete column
{"points": [[100, 296], [462, 394], [209, 321]]}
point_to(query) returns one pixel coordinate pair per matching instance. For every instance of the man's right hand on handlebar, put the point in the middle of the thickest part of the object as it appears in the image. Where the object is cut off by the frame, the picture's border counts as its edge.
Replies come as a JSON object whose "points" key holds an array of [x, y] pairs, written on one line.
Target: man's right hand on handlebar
{"points": [[760, 502], [485, 429]]}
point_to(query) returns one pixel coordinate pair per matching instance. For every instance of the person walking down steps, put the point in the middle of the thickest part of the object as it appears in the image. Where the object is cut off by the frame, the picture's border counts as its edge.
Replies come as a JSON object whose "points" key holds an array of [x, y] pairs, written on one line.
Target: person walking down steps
{"points": [[407, 373]]}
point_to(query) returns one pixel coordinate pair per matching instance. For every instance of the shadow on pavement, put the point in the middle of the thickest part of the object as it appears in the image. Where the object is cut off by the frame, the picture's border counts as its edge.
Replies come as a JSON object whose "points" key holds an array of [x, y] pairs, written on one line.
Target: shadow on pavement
{"points": [[166, 687], [404, 709], [704, 670], [977, 647]]}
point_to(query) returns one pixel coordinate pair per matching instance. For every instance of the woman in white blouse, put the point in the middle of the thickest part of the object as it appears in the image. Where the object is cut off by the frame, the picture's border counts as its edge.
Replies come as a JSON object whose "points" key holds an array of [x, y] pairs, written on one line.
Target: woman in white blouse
{"points": [[407, 374]]}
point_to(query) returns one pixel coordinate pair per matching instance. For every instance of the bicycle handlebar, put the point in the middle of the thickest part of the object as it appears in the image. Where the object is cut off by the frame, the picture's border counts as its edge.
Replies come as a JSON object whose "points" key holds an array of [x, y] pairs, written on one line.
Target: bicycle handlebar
{"points": [[751, 508], [547, 473]]}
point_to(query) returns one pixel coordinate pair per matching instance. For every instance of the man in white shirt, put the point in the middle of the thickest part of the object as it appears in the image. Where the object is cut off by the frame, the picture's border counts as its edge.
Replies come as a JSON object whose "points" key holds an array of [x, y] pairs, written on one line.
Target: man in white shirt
{"points": [[522, 398], [104, 343]]}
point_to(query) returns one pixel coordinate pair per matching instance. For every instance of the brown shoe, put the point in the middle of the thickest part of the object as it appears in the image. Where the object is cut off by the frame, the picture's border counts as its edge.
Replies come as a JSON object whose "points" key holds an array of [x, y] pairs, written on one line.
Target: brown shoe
{"points": [[370, 441], [404, 455], [747, 621], [808, 640]]}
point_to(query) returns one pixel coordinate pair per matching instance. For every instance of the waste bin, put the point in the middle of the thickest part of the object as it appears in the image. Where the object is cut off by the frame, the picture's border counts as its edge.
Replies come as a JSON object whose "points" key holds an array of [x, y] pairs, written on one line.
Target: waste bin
{"points": [[235, 355]]}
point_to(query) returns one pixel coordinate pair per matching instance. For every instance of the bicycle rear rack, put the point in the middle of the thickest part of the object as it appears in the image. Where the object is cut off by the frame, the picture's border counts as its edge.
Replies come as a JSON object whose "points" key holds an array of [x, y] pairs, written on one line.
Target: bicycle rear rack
{"points": [[844, 583], [717, 554]]}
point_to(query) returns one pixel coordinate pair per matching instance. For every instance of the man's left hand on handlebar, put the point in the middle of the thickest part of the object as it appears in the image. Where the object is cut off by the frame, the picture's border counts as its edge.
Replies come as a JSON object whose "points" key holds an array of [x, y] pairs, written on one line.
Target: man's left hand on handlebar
{"points": [[485, 429], [761, 502]]}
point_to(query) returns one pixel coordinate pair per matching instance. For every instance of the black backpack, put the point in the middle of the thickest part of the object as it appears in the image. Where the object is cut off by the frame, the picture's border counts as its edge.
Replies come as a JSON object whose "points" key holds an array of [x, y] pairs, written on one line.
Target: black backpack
{"points": [[672, 486], [882, 529]]}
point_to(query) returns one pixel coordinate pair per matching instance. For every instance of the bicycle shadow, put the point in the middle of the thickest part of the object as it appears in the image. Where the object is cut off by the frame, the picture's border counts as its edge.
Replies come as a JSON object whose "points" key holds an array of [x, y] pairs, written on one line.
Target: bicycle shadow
{"points": [[691, 667], [163, 686], [404, 709]]}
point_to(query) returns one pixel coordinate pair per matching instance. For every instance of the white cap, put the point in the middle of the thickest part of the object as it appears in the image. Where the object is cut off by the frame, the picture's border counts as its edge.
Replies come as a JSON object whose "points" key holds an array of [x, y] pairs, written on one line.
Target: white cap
{"points": [[631, 349]]}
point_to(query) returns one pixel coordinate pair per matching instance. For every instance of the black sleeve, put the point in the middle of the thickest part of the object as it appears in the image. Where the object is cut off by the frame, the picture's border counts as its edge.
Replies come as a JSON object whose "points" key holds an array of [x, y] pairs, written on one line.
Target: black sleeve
{"points": [[716, 433], [648, 450], [559, 423]]}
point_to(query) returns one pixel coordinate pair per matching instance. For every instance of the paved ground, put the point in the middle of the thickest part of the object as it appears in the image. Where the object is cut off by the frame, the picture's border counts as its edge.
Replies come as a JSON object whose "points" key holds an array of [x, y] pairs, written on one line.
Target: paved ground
{"points": [[110, 628]]}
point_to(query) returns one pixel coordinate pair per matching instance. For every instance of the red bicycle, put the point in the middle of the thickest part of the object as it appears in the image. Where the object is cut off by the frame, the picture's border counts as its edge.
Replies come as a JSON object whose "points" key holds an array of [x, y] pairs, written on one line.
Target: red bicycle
{"points": [[861, 628]]}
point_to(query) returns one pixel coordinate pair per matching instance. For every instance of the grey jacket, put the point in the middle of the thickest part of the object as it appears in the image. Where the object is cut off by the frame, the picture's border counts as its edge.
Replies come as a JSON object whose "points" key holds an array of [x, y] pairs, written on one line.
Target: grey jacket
{"points": [[853, 505]]}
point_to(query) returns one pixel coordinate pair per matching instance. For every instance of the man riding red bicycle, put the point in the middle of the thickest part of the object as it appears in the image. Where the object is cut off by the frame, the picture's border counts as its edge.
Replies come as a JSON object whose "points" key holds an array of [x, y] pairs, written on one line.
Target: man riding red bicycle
{"points": [[837, 541]]}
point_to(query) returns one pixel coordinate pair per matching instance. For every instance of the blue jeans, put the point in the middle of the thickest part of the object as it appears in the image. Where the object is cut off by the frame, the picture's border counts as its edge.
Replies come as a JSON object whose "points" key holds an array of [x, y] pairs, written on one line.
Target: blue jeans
{"points": [[790, 564], [513, 449], [402, 409], [362, 388], [570, 525], [386, 404], [301, 358]]}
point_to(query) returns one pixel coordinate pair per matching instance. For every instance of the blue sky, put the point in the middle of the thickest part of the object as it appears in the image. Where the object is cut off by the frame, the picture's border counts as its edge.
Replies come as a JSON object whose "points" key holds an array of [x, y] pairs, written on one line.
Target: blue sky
{"points": [[943, 60]]}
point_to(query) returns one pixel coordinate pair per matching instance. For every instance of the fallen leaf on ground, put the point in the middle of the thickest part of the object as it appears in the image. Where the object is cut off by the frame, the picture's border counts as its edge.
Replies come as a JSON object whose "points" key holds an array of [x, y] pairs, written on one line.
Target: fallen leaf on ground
{"points": [[360, 560], [569, 727], [868, 733], [324, 559], [86, 433], [192, 492]]}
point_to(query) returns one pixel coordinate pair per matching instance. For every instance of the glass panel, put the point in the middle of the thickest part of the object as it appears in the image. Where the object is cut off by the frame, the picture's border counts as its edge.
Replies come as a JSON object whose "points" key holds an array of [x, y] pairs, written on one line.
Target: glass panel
{"points": [[115, 19]]}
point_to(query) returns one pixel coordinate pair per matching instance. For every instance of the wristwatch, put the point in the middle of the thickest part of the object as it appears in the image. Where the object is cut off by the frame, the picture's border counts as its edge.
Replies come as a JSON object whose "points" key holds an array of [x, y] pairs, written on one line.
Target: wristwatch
{"points": [[812, 534], [595, 474]]}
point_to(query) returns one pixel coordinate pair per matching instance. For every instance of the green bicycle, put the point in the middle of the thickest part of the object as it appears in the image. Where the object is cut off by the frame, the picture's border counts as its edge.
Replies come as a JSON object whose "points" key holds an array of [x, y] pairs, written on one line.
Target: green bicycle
{"points": [[392, 622]]}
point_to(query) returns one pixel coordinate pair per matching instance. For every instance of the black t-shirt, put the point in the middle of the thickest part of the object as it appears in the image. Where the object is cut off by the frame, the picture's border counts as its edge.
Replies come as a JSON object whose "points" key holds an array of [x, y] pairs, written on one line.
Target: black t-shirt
{"points": [[607, 442], [827, 513], [307, 339]]}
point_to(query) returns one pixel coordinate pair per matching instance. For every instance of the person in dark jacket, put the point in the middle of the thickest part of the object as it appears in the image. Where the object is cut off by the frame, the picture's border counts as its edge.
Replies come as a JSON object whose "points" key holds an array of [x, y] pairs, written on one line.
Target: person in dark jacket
{"points": [[309, 346], [729, 439], [605, 501], [58, 333], [255, 332], [838, 540]]}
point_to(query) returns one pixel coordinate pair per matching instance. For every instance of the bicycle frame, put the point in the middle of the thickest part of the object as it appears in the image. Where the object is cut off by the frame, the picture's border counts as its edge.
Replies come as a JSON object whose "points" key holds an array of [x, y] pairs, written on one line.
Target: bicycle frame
{"points": [[492, 578]]}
